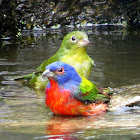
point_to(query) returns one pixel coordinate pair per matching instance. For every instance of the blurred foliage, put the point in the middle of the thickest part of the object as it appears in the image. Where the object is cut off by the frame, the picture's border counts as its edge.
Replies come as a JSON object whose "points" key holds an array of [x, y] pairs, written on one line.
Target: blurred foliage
{"points": [[16, 15], [8, 20], [129, 10]]}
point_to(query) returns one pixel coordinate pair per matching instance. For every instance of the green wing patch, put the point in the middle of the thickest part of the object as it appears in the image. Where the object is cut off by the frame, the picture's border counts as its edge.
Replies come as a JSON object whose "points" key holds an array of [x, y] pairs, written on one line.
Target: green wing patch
{"points": [[88, 91]]}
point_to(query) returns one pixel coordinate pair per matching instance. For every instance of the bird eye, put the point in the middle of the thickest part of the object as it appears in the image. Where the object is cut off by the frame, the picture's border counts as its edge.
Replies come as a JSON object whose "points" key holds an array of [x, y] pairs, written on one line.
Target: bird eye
{"points": [[73, 38], [60, 70]]}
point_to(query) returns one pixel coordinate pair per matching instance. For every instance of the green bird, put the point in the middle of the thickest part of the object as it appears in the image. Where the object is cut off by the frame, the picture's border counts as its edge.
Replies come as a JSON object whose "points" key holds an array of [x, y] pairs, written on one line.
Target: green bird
{"points": [[72, 51]]}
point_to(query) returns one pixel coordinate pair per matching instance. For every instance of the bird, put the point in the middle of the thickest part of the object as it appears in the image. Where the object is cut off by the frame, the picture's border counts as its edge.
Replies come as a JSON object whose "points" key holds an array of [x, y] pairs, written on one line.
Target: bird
{"points": [[72, 51], [67, 93]]}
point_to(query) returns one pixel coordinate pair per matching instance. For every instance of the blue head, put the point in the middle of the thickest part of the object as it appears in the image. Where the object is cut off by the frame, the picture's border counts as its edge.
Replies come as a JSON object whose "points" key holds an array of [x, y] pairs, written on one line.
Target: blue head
{"points": [[62, 73]]}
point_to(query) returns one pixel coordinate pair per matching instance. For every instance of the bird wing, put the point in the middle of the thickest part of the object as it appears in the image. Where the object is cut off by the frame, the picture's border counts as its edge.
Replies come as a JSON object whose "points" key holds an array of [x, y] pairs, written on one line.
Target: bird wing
{"points": [[87, 92]]}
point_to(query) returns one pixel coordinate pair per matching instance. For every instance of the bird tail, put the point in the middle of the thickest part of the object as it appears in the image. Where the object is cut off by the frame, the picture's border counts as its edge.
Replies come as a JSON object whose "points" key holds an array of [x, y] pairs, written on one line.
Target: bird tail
{"points": [[104, 95], [24, 77], [28, 76]]}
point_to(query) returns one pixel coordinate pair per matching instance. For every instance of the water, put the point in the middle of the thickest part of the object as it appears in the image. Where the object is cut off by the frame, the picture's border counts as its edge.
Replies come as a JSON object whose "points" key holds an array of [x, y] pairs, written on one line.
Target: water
{"points": [[23, 114]]}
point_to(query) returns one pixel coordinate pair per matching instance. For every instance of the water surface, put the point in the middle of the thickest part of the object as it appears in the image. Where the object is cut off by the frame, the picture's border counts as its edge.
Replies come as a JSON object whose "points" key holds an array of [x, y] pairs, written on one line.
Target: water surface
{"points": [[23, 114]]}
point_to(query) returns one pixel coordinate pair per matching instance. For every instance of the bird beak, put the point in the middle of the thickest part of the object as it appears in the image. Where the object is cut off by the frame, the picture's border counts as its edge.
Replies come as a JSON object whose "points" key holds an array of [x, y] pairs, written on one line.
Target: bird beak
{"points": [[83, 42], [47, 73]]}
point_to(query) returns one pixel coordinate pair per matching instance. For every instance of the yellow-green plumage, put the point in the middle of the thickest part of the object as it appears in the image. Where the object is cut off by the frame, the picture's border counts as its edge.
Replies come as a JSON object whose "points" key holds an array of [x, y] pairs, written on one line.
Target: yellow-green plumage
{"points": [[90, 92], [71, 51], [87, 87]]}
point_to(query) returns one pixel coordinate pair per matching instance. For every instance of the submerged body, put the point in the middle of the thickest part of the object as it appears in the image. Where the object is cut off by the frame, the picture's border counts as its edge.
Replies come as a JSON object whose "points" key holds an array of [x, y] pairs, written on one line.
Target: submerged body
{"points": [[71, 51], [69, 94]]}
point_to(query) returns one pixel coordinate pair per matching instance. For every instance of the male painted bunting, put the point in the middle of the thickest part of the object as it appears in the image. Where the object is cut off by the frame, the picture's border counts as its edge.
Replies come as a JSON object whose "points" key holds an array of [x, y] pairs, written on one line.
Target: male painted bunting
{"points": [[67, 93], [71, 51]]}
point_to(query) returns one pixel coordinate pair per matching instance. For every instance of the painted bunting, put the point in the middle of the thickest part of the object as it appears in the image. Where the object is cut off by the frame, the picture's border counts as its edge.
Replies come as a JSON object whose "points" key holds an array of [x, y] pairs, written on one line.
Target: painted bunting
{"points": [[67, 93], [71, 51]]}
